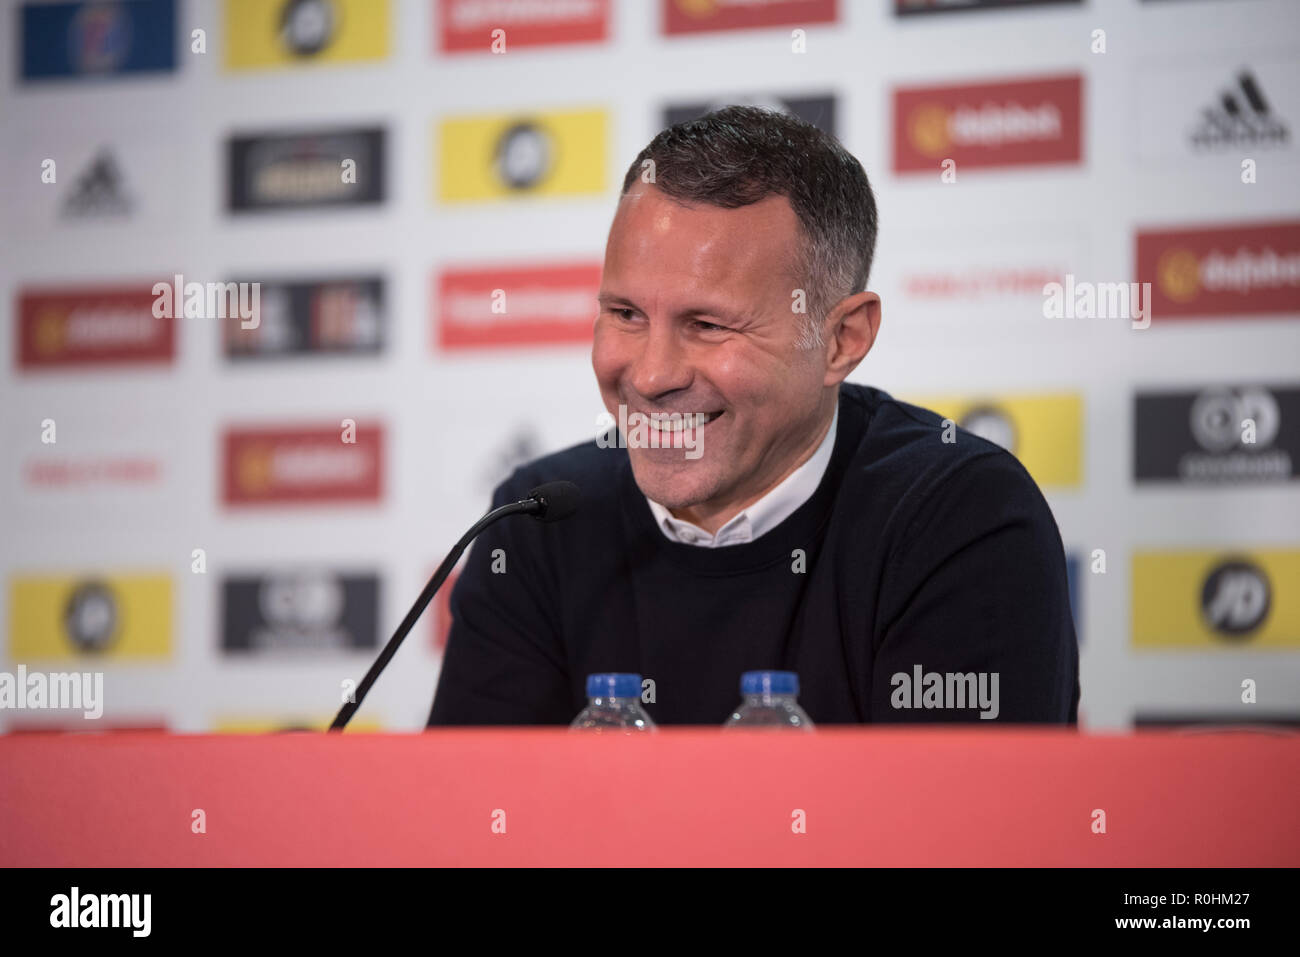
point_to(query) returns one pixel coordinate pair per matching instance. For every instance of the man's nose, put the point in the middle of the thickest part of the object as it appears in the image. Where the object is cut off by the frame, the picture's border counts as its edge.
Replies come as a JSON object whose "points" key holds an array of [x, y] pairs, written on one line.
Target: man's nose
{"points": [[662, 365]]}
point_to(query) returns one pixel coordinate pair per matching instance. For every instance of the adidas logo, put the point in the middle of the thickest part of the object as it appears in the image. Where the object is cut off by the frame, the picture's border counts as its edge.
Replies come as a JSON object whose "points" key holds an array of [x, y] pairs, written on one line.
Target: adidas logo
{"points": [[99, 191], [1241, 117]]}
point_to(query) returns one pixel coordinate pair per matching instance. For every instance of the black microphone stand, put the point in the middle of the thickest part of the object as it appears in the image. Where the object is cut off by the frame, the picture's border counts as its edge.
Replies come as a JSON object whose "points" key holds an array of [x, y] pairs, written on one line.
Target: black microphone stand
{"points": [[530, 506]]}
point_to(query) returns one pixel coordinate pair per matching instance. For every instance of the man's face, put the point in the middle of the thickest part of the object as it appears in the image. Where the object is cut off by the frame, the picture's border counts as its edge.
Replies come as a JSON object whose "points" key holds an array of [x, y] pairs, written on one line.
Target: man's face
{"points": [[696, 317]]}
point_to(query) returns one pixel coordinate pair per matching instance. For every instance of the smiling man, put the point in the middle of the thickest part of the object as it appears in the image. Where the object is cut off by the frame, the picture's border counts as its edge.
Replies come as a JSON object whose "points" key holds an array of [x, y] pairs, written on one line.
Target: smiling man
{"points": [[763, 513]]}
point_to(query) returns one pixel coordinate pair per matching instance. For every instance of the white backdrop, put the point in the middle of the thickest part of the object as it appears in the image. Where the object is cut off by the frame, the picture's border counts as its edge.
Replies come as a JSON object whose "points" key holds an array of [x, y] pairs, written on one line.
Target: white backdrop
{"points": [[453, 420]]}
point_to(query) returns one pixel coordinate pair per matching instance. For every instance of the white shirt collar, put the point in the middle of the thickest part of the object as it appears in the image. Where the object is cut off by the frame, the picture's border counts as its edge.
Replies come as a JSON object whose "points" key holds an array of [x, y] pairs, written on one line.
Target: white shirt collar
{"points": [[765, 514]]}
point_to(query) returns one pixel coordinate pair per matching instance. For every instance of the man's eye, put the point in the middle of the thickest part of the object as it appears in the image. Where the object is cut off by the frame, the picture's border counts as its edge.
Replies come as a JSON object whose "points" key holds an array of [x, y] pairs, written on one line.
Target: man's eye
{"points": [[709, 326], [623, 313]]}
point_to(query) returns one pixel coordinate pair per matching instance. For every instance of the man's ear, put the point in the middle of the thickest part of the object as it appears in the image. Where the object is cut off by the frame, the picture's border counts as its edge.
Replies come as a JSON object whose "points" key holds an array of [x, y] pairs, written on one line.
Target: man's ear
{"points": [[852, 328]]}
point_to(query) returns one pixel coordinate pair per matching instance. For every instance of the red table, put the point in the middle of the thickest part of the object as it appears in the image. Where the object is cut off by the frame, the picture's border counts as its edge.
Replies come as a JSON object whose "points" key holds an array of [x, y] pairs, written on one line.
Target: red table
{"points": [[889, 797]]}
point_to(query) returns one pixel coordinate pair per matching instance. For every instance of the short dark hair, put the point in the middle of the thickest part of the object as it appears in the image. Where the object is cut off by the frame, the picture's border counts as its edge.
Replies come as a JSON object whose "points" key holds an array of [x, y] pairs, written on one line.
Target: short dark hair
{"points": [[741, 154]]}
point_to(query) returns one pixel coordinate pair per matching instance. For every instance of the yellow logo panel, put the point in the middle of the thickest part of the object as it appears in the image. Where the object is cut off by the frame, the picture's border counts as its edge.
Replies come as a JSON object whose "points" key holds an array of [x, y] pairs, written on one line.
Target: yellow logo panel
{"points": [[317, 723], [262, 34], [1220, 599], [504, 156], [1045, 432], [113, 617]]}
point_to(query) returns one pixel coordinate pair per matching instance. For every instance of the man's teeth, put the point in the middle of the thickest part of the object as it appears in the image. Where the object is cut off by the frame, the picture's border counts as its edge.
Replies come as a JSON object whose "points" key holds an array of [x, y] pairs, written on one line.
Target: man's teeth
{"points": [[678, 422]]}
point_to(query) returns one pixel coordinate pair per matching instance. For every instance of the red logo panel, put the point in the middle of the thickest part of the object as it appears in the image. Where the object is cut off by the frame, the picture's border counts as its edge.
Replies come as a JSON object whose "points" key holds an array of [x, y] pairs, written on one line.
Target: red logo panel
{"points": [[513, 306], [302, 465], [442, 612], [1016, 123], [1224, 271], [91, 326], [468, 24], [700, 16]]}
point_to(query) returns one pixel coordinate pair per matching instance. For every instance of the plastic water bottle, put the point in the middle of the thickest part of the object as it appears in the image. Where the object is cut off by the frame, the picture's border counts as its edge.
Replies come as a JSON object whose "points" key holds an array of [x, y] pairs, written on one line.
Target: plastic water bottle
{"points": [[770, 702], [613, 704]]}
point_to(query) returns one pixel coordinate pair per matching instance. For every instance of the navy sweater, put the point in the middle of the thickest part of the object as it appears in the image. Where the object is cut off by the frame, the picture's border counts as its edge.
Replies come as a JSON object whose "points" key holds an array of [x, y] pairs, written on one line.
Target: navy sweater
{"points": [[919, 556]]}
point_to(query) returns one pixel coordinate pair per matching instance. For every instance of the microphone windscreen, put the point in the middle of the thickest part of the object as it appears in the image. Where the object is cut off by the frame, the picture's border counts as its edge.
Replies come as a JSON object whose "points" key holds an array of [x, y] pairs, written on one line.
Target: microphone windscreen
{"points": [[559, 500]]}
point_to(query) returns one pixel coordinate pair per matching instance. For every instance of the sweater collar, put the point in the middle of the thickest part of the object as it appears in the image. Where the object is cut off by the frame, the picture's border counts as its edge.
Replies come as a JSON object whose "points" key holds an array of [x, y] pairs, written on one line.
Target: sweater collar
{"points": [[778, 504], [800, 529]]}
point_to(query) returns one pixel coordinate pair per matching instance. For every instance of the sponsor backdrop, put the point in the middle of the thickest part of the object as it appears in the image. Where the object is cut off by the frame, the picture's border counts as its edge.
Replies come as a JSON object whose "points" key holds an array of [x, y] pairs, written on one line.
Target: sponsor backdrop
{"points": [[225, 495]]}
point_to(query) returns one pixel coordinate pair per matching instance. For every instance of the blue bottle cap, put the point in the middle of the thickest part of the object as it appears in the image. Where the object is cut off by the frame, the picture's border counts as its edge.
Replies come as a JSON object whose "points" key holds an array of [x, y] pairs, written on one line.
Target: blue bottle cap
{"points": [[769, 682], [614, 685]]}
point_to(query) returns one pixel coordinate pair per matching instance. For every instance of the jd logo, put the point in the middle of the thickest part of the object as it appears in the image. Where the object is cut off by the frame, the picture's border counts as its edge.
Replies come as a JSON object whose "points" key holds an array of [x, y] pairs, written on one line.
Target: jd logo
{"points": [[1235, 598]]}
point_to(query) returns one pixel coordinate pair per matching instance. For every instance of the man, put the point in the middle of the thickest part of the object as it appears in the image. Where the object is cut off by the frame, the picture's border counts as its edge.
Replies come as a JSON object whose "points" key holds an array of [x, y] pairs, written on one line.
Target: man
{"points": [[769, 515]]}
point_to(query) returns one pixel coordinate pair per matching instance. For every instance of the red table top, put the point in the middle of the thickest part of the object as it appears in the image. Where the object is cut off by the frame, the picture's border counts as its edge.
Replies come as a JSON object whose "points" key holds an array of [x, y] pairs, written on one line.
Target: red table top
{"points": [[868, 797]]}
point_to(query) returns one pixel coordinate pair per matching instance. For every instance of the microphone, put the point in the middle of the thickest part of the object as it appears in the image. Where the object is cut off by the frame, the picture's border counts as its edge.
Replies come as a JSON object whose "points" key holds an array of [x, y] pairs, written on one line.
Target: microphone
{"points": [[554, 501], [551, 502]]}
